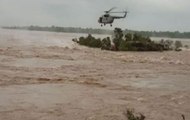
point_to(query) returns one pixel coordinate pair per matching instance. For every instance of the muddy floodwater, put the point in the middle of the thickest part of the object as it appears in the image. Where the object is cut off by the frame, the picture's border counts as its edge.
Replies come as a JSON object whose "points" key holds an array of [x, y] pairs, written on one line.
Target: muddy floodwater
{"points": [[45, 76]]}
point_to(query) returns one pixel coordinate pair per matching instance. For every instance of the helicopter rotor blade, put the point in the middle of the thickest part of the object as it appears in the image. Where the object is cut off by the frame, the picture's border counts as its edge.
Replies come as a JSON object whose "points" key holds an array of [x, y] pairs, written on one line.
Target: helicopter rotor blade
{"points": [[110, 10], [119, 12]]}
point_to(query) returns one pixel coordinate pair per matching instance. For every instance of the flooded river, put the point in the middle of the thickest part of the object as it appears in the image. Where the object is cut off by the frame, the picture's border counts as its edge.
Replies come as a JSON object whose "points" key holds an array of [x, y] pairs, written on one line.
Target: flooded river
{"points": [[45, 76]]}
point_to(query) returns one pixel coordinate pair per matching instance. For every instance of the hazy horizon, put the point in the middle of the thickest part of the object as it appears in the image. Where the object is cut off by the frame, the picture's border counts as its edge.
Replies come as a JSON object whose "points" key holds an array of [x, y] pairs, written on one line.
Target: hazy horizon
{"points": [[146, 15]]}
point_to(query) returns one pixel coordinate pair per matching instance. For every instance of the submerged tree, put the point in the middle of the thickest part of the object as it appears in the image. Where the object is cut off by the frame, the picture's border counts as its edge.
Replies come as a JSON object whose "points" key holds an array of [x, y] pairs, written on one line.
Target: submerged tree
{"points": [[106, 44], [118, 37], [178, 44], [121, 42], [128, 37], [90, 41]]}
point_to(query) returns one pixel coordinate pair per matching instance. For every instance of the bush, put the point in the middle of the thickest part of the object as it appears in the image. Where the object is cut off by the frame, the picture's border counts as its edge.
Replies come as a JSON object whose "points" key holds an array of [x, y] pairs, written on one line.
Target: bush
{"points": [[83, 41], [106, 44], [128, 42], [134, 42], [118, 37], [178, 44], [128, 37], [96, 43], [123, 46], [167, 44], [90, 41]]}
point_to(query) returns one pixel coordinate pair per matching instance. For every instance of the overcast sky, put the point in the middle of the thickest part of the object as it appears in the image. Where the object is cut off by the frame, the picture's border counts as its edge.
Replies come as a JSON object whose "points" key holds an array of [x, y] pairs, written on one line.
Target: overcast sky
{"points": [[159, 15]]}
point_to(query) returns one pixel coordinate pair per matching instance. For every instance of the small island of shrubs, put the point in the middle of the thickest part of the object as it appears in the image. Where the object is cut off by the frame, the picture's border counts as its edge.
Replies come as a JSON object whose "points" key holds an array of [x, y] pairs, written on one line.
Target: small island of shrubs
{"points": [[127, 42]]}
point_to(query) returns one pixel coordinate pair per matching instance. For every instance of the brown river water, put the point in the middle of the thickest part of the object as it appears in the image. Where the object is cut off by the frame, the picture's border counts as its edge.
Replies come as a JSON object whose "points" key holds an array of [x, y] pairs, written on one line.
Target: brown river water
{"points": [[45, 76]]}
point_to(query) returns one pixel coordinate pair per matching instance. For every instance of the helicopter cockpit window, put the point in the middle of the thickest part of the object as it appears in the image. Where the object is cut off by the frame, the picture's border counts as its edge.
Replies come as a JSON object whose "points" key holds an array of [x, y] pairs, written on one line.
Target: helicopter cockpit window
{"points": [[106, 15]]}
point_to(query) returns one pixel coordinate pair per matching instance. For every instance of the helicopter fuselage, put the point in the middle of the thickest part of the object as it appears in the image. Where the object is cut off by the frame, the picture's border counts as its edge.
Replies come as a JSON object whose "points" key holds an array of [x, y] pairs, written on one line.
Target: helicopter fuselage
{"points": [[109, 19], [106, 19]]}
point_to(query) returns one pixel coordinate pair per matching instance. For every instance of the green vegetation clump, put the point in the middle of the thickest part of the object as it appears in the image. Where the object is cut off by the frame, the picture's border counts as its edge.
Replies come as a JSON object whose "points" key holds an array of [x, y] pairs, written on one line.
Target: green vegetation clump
{"points": [[121, 42], [178, 45], [90, 41], [106, 44], [134, 42], [167, 44]]}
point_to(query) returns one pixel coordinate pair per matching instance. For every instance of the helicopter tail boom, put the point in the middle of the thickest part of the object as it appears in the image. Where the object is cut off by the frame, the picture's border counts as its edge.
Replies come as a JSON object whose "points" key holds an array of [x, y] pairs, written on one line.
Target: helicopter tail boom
{"points": [[119, 17]]}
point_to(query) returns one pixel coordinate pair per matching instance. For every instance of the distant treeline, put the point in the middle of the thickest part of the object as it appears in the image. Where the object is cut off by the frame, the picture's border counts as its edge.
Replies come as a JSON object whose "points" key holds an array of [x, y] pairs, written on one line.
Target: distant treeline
{"points": [[169, 34], [63, 29]]}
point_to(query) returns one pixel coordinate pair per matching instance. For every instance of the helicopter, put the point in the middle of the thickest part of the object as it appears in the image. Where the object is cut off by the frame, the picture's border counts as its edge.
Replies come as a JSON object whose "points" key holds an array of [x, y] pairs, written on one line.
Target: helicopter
{"points": [[109, 19]]}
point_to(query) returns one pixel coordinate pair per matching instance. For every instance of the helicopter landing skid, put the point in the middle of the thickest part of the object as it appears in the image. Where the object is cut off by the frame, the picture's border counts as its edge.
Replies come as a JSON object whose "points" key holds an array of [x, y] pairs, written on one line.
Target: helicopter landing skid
{"points": [[105, 25]]}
